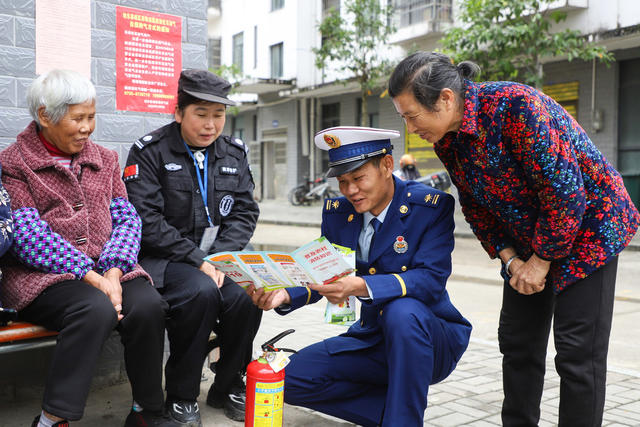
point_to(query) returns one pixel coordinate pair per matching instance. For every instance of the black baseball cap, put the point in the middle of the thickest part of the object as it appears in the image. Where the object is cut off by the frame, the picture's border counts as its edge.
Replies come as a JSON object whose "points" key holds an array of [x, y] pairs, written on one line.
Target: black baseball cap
{"points": [[205, 85]]}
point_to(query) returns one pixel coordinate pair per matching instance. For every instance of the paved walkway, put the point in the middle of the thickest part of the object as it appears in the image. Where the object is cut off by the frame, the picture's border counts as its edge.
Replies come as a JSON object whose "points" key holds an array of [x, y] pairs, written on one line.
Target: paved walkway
{"points": [[472, 395]]}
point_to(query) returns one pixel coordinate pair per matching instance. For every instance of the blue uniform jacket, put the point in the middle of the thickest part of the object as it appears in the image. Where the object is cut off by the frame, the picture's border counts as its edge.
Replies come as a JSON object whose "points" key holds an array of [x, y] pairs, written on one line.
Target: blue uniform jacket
{"points": [[410, 258]]}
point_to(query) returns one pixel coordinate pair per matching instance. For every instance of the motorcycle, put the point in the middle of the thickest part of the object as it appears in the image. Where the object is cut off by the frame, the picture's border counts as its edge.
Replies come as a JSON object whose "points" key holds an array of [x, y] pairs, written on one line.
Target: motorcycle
{"points": [[311, 191], [438, 180]]}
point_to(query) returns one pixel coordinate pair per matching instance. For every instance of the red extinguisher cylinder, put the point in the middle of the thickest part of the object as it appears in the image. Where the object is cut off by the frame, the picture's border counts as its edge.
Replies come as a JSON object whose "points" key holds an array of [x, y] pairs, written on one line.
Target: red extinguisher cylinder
{"points": [[265, 395]]}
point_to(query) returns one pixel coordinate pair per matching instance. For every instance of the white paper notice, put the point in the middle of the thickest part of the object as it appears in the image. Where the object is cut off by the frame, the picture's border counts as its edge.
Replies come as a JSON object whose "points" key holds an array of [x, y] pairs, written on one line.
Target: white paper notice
{"points": [[63, 35]]}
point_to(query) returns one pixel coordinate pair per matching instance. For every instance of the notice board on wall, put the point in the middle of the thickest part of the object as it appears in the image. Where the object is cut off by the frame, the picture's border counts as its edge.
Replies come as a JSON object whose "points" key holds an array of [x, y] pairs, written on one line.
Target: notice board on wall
{"points": [[148, 60], [63, 36]]}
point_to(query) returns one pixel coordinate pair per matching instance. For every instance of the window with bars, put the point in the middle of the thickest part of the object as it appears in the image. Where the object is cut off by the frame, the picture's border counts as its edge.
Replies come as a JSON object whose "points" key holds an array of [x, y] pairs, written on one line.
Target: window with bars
{"points": [[238, 50], [214, 45], [276, 60], [411, 12]]}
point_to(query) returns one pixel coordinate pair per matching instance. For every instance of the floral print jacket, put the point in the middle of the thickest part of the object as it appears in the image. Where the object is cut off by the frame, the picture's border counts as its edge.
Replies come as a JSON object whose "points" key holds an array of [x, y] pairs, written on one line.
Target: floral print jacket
{"points": [[529, 177]]}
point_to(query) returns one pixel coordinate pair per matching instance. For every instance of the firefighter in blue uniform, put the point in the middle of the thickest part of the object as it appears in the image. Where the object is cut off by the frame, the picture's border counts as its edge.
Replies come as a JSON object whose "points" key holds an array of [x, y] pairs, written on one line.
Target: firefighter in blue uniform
{"points": [[409, 334]]}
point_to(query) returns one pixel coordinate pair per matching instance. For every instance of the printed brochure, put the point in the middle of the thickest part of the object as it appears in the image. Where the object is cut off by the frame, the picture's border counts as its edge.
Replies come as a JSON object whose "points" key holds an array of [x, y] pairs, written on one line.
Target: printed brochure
{"points": [[316, 262]]}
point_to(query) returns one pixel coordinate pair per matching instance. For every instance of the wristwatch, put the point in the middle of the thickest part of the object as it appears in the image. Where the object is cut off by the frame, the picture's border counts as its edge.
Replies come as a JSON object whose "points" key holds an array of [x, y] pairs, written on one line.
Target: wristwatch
{"points": [[508, 264]]}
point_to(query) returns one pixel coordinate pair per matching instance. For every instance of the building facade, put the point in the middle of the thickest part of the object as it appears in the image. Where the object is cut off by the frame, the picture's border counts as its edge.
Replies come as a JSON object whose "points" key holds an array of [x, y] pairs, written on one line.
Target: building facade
{"points": [[272, 41]]}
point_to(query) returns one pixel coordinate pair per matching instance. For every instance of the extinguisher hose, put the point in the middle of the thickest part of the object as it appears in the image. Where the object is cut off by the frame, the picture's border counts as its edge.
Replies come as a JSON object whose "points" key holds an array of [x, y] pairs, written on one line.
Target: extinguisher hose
{"points": [[269, 345]]}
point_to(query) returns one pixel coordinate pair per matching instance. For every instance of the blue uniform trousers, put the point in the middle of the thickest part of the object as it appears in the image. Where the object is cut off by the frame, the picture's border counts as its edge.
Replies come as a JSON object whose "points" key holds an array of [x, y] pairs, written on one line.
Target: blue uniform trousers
{"points": [[384, 384]]}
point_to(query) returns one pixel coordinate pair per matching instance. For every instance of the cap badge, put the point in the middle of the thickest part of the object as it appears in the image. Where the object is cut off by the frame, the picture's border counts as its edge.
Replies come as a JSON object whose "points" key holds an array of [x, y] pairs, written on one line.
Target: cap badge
{"points": [[404, 209], [332, 140], [400, 245], [350, 218]]}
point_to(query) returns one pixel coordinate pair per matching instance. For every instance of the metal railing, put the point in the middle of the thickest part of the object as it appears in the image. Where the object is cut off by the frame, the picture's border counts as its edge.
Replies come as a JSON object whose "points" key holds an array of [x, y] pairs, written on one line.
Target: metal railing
{"points": [[411, 12]]}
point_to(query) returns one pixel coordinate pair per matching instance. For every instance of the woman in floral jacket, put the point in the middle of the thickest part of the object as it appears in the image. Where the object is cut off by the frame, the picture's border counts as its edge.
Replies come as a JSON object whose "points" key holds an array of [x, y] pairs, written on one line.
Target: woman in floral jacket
{"points": [[540, 195], [73, 265]]}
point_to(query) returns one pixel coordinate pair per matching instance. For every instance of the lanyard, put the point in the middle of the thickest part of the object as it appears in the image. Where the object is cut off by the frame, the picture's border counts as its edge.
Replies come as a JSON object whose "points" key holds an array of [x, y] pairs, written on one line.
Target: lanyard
{"points": [[202, 182]]}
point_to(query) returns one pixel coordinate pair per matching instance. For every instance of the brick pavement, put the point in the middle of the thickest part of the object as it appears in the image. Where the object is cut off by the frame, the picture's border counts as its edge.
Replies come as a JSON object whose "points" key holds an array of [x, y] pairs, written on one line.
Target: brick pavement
{"points": [[472, 394]]}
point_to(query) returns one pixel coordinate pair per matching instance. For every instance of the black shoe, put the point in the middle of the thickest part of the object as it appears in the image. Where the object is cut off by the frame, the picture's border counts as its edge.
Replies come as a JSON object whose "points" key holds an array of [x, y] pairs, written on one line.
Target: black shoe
{"points": [[184, 412], [146, 418], [63, 423], [232, 402]]}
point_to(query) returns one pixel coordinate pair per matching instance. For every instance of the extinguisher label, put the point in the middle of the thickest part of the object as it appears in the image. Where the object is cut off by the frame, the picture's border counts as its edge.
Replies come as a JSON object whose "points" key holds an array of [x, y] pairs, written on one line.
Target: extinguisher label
{"points": [[269, 402]]}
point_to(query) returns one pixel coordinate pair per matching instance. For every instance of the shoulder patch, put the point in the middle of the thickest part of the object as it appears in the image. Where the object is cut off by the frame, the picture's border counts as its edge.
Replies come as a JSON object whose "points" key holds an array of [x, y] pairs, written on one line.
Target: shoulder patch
{"points": [[131, 173]]}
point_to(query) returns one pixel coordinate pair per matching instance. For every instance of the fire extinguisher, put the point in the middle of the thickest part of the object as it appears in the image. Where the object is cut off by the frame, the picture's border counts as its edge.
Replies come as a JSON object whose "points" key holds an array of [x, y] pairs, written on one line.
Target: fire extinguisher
{"points": [[265, 387]]}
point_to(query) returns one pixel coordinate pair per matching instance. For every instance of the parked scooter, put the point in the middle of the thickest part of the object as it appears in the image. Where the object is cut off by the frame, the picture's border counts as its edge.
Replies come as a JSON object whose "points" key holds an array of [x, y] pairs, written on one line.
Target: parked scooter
{"points": [[312, 191], [438, 180]]}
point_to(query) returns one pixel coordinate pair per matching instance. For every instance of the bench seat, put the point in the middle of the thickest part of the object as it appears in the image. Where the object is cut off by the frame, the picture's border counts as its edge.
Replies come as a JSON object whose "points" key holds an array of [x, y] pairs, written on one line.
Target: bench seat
{"points": [[22, 335]]}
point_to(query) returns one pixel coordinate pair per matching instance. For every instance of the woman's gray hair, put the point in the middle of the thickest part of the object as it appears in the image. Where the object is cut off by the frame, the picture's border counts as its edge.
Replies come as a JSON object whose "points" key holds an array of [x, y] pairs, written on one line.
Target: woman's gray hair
{"points": [[55, 90]]}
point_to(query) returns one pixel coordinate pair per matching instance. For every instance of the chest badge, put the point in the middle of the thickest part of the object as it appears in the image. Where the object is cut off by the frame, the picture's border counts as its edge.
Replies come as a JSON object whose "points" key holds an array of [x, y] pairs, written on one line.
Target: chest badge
{"points": [[400, 245], [350, 218], [226, 204], [172, 167]]}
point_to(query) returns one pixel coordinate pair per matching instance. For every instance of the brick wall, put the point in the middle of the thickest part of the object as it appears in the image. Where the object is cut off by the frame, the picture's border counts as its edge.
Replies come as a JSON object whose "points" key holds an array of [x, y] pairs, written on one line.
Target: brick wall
{"points": [[114, 129]]}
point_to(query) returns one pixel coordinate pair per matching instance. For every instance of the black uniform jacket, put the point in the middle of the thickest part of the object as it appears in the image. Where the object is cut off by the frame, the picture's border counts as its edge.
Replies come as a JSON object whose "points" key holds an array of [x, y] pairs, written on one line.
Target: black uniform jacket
{"points": [[161, 182]]}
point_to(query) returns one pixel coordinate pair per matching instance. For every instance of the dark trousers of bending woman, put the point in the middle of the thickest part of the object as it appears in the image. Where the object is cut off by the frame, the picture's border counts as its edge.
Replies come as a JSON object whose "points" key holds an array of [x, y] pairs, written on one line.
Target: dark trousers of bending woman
{"points": [[581, 316]]}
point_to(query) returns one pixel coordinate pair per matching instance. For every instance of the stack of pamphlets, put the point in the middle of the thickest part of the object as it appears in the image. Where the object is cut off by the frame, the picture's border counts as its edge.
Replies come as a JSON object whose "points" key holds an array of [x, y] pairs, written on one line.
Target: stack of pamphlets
{"points": [[316, 262]]}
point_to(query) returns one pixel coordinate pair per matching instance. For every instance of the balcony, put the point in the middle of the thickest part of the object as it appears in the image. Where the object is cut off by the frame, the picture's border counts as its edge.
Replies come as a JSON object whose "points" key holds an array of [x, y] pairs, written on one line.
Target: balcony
{"points": [[419, 20]]}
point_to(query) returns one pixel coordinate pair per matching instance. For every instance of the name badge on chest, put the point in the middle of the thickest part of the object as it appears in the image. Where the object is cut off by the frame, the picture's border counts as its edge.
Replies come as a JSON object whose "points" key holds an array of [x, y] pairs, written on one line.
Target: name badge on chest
{"points": [[208, 238]]}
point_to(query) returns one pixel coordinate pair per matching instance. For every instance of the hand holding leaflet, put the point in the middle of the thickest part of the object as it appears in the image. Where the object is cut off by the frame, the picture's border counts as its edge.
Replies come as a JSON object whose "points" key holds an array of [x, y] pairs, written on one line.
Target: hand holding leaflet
{"points": [[316, 262]]}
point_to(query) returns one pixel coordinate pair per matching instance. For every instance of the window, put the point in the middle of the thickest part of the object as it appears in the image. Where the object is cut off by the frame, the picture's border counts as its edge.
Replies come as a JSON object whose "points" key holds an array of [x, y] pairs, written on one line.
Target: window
{"points": [[276, 61], [411, 12], [214, 52], [277, 4], [255, 46], [237, 127], [629, 127], [329, 4], [238, 50]]}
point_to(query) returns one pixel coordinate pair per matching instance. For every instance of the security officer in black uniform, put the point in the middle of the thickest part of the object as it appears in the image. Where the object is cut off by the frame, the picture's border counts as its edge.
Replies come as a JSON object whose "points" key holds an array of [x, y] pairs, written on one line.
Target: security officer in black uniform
{"points": [[194, 192]]}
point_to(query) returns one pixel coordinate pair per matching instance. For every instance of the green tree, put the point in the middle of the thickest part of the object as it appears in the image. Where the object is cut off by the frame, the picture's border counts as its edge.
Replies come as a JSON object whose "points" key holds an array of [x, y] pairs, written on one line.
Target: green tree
{"points": [[233, 75], [354, 40], [509, 39]]}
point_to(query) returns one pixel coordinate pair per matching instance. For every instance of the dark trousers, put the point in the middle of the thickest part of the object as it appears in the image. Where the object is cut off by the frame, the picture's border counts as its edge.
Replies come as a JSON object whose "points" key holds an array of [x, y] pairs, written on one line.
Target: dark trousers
{"points": [[581, 325], [385, 384], [198, 306], [84, 318]]}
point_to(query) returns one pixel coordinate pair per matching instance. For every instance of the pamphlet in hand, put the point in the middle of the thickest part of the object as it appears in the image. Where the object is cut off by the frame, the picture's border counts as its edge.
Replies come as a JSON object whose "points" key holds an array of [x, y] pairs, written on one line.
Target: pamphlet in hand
{"points": [[316, 262], [343, 313]]}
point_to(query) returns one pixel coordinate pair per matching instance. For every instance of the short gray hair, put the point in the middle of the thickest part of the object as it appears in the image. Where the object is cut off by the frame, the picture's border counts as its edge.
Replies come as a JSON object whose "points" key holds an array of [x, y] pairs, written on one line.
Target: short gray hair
{"points": [[55, 90]]}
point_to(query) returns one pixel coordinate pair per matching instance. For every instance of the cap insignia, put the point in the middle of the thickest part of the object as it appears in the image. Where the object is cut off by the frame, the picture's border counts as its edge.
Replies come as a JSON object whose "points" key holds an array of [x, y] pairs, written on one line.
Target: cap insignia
{"points": [[332, 140]]}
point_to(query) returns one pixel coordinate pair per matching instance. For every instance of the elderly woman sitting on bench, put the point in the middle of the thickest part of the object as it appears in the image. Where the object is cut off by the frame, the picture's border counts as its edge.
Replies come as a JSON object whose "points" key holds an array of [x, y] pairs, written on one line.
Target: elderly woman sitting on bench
{"points": [[73, 266]]}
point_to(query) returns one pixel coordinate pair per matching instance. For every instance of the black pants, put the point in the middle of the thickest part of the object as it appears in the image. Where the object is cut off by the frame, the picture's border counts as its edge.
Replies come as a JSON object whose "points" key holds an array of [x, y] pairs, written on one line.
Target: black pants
{"points": [[197, 307], [84, 318], [581, 325]]}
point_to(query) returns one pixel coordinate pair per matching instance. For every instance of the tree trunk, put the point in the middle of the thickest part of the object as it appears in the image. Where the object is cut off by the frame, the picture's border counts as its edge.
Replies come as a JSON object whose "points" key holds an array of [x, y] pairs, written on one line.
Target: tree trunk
{"points": [[363, 110]]}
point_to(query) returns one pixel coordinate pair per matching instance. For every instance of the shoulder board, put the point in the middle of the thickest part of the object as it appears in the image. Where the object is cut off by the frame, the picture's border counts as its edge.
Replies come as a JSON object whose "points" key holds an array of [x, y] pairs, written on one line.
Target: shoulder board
{"points": [[148, 139], [238, 143], [240, 148], [423, 195], [337, 205]]}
